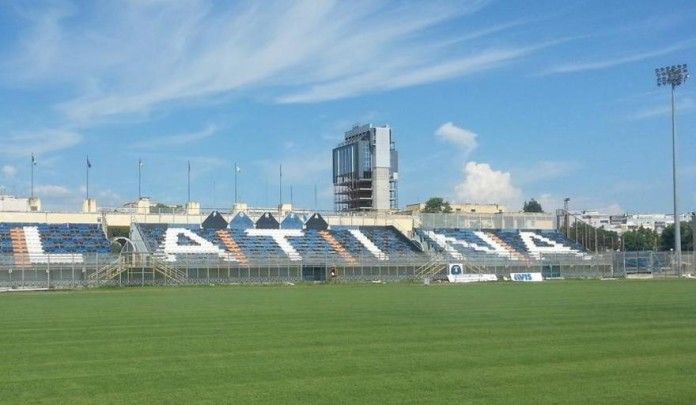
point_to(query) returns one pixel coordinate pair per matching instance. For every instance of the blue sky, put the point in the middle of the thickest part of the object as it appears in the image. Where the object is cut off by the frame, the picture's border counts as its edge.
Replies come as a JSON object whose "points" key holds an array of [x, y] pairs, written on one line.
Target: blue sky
{"points": [[489, 101]]}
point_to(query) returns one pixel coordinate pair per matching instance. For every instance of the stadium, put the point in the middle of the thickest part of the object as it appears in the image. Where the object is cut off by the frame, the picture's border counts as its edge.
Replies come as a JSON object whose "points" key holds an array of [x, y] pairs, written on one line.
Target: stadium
{"points": [[254, 247], [406, 258]]}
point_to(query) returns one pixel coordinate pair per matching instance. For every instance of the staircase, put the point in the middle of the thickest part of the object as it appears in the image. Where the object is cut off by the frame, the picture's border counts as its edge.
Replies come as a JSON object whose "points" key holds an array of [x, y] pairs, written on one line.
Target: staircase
{"points": [[169, 273], [232, 246], [19, 247], [337, 247], [109, 272], [431, 268], [115, 268]]}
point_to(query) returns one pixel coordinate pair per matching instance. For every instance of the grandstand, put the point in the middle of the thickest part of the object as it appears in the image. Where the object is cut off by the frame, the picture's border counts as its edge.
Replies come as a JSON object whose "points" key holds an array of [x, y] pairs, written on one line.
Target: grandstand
{"points": [[273, 246]]}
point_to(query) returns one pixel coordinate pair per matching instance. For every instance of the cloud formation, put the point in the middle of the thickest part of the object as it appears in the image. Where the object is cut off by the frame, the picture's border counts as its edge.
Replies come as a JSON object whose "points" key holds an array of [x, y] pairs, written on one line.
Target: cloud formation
{"points": [[176, 140], [8, 171], [483, 184], [52, 191], [133, 57], [23, 144], [576, 67], [462, 138]]}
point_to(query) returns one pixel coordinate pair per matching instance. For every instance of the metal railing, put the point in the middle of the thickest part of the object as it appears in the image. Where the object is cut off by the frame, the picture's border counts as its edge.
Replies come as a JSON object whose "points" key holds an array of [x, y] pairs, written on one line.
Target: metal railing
{"points": [[147, 269]]}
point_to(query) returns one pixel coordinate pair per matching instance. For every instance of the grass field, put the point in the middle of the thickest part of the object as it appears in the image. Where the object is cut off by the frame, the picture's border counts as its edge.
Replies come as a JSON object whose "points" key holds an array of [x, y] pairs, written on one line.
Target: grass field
{"points": [[555, 342]]}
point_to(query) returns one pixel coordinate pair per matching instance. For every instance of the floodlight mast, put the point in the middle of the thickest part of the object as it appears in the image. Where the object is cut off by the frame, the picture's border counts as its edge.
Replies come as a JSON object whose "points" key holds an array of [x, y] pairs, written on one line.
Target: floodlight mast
{"points": [[674, 76]]}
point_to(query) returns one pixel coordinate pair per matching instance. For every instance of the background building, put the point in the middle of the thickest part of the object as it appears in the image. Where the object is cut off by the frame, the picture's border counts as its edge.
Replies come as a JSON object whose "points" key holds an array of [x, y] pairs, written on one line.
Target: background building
{"points": [[629, 222], [461, 208], [10, 203], [365, 170]]}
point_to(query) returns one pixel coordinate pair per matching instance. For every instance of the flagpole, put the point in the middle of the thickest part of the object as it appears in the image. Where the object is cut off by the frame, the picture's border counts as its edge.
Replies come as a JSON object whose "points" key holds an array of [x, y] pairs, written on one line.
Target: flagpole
{"points": [[189, 181], [32, 175], [87, 170], [280, 194], [236, 169], [140, 167]]}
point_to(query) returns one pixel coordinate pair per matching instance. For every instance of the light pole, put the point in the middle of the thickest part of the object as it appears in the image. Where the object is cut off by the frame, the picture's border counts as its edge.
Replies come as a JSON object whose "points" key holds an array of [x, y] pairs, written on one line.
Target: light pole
{"points": [[567, 217], [674, 76]]}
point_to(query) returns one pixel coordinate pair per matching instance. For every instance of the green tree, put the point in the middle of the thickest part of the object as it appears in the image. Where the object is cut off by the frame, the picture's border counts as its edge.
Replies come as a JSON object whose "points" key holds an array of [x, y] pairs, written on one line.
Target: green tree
{"points": [[641, 239], [687, 237], [437, 205], [593, 239], [532, 206]]}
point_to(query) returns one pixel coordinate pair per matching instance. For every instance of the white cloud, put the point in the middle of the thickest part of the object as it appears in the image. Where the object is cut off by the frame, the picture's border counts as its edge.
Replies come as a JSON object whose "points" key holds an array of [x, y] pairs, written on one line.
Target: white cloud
{"points": [[51, 191], [683, 105], [201, 165], [132, 57], [9, 171], [109, 198], [550, 202], [39, 142], [611, 209], [461, 137], [482, 184], [615, 61], [544, 171], [399, 72], [176, 140]]}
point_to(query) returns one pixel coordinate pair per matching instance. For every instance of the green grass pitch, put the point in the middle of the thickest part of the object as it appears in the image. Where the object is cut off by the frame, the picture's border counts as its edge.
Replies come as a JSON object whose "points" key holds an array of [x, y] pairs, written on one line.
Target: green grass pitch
{"points": [[555, 342]]}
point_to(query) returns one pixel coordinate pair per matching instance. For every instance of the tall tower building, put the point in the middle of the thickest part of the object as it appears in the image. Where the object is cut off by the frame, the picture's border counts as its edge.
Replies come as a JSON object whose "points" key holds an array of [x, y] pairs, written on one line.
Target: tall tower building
{"points": [[366, 170]]}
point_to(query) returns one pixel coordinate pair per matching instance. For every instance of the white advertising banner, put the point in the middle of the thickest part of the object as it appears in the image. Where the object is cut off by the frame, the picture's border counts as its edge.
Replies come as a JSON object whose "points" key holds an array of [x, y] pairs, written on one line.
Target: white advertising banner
{"points": [[455, 274], [471, 278], [526, 277]]}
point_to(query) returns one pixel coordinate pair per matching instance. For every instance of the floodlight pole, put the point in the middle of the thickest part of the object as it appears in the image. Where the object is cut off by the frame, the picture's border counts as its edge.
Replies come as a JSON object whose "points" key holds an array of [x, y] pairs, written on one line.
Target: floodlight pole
{"points": [[674, 76], [677, 224]]}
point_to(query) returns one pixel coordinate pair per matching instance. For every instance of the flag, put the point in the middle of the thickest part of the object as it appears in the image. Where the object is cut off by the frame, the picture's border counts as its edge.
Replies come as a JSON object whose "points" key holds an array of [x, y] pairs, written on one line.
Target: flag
{"points": [[89, 164], [140, 163], [237, 168], [33, 160]]}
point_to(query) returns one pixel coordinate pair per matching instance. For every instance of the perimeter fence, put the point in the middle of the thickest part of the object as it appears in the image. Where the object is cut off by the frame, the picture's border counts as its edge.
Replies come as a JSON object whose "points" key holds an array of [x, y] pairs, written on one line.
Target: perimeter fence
{"points": [[70, 271]]}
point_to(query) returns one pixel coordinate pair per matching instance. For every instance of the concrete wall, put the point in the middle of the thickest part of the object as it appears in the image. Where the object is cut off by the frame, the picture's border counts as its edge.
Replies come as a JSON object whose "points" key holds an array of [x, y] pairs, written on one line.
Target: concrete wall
{"points": [[405, 223]]}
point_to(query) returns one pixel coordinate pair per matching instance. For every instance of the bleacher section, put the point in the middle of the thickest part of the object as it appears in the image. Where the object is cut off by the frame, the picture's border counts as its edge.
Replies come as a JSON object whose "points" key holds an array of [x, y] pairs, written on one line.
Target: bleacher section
{"points": [[32, 243], [499, 244], [296, 238], [342, 245]]}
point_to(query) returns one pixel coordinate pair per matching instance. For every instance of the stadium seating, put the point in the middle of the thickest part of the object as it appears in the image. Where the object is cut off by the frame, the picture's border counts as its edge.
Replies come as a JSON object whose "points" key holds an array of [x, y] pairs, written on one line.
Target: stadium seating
{"points": [[32, 243], [234, 244], [500, 244], [240, 241]]}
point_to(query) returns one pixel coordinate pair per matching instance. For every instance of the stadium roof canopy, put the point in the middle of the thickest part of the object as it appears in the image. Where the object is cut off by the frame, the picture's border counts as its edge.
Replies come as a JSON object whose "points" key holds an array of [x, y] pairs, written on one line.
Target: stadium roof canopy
{"points": [[316, 222], [214, 221], [241, 221], [267, 221], [292, 221]]}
